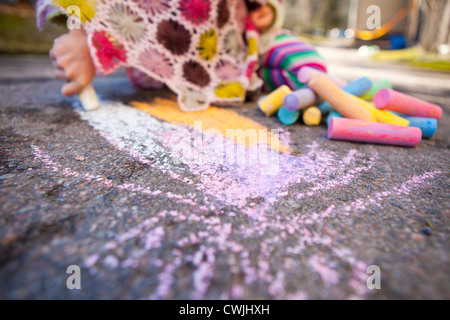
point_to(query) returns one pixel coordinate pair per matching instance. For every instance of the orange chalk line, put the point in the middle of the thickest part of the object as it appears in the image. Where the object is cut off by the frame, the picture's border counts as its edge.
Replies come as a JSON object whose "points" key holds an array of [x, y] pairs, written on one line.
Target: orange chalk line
{"points": [[217, 119]]}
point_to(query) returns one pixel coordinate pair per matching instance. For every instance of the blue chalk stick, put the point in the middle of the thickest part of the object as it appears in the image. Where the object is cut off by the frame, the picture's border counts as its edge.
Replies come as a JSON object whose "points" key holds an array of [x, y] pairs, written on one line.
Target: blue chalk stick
{"points": [[287, 117], [300, 99], [325, 108], [333, 115], [356, 88], [427, 125]]}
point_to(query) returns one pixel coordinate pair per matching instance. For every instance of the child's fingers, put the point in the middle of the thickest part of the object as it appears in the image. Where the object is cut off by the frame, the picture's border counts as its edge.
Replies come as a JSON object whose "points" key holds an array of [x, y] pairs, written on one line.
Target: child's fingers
{"points": [[72, 73], [55, 65], [52, 55], [58, 48], [52, 52], [71, 88], [60, 74], [63, 62]]}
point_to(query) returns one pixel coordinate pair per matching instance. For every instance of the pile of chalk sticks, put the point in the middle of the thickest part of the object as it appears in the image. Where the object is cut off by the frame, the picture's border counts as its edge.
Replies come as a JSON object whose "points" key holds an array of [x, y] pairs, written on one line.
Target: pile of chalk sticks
{"points": [[359, 111]]}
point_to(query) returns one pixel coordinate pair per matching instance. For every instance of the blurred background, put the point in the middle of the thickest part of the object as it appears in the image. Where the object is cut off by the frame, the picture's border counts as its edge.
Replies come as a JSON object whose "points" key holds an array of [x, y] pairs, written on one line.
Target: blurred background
{"points": [[404, 23], [412, 31]]}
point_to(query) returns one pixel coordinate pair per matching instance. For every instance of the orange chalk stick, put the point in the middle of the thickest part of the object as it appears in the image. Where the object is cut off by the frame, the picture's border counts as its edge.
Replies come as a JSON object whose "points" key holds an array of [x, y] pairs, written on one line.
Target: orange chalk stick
{"points": [[341, 101], [306, 74]]}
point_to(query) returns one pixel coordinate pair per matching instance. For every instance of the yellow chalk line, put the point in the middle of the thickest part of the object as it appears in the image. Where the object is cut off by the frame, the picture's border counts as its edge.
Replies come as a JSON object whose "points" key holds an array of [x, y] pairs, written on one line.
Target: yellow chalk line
{"points": [[217, 119]]}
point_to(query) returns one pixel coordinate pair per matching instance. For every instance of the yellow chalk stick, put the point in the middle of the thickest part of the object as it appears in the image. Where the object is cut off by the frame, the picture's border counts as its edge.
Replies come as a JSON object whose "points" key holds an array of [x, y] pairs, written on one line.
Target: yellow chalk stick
{"points": [[341, 101], [312, 116], [390, 118], [273, 102], [383, 116]]}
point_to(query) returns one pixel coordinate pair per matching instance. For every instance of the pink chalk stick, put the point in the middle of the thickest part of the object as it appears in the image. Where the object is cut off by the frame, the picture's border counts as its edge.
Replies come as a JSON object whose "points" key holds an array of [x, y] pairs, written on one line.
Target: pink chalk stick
{"points": [[373, 132], [306, 74], [407, 105]]}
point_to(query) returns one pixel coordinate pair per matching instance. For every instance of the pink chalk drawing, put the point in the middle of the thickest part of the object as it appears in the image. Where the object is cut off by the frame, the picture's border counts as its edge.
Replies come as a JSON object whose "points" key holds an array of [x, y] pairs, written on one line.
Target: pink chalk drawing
{"points": [[67, 172], [328, 275], [143, 136], [251, 232]]}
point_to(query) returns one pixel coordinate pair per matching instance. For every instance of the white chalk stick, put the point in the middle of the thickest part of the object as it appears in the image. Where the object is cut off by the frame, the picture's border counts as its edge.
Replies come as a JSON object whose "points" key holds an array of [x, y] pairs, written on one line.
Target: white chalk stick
{"points": [[89, 99]]}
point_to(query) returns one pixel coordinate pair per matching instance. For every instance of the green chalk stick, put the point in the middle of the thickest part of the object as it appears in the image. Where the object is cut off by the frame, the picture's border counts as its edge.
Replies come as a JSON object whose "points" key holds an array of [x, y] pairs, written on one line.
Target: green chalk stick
{"points": [[377, 86]]}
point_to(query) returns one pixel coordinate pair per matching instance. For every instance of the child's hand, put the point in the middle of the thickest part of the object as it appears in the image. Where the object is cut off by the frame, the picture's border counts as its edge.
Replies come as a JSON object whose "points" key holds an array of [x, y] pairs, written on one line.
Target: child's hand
{"points": [[263, 17], [72, 62]]}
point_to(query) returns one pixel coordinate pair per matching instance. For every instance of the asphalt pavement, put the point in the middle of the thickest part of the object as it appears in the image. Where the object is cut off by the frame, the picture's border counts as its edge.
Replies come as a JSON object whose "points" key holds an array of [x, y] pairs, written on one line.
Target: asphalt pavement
{"points": [[108, 192]]}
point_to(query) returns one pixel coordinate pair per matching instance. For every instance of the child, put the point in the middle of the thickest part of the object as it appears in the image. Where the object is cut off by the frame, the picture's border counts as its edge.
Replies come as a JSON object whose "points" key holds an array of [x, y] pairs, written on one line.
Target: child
{"points": [[282, 55], [195, 47]]}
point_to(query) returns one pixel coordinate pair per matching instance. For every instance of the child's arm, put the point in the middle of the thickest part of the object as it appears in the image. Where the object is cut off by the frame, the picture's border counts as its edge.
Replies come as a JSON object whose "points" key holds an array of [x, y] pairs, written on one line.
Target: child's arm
{"points": [[72, 62]]}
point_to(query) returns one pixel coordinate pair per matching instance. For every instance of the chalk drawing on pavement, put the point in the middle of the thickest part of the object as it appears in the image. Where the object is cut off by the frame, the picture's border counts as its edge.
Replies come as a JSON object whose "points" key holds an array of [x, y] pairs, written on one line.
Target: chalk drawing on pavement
{"points": [[234, 184], [250, 234]]}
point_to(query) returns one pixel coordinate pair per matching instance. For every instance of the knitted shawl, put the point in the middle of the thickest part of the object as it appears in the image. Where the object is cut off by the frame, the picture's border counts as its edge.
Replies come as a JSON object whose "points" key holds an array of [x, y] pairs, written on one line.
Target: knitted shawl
{"points": [[197, 48]]}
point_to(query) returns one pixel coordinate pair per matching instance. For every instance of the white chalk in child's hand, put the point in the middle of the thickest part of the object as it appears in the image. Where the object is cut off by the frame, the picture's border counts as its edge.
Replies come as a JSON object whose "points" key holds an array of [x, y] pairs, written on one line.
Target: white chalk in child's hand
{"points": [[89, 98]]}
